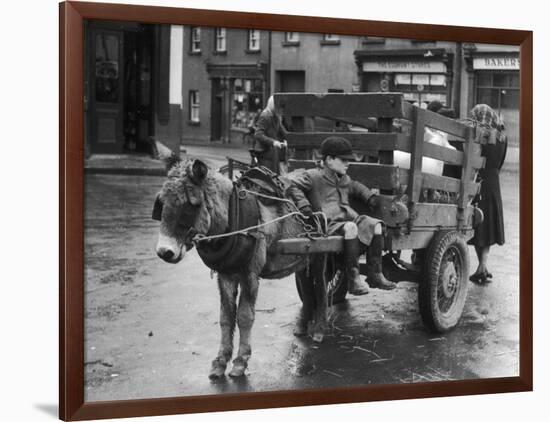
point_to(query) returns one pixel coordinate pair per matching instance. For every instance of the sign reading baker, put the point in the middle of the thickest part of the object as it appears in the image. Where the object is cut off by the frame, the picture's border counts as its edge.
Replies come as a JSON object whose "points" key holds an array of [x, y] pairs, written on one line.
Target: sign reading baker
{"points": [[496, 63], [417, 66]]}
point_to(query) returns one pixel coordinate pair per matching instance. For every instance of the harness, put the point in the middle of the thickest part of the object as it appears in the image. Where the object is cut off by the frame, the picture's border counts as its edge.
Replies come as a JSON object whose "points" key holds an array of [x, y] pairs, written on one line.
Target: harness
{"points": [[232, 251], [229, 254]]}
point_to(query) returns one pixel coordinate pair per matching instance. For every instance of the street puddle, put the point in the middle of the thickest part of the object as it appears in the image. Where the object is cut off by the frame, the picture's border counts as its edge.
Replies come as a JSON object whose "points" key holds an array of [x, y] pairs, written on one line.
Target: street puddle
{"points": [[300, 360]]}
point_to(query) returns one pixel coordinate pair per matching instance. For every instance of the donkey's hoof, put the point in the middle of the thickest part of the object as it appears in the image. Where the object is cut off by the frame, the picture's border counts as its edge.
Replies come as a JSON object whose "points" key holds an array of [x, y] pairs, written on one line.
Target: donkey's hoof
{"points": [[318, 337], [239, 367], [300, 329], [217, 370]]}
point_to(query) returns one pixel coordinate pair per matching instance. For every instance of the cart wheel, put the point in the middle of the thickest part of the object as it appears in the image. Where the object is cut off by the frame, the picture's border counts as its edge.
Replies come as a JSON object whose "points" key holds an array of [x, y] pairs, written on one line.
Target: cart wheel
{"points": [[442, 291], [336, 279]]}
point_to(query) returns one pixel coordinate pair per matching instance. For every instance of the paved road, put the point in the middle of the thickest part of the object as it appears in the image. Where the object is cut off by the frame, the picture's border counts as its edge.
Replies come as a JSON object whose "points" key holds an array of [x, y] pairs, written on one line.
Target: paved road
{"points": [[152, 328]]}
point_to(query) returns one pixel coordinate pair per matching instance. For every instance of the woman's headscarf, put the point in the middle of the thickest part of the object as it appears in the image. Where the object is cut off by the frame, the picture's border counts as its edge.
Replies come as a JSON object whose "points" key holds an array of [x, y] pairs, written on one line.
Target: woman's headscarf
{"points": [[486, 117]]}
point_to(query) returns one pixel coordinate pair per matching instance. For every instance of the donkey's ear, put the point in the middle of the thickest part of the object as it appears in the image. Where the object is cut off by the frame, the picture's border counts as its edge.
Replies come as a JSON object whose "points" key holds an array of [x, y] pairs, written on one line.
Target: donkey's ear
{"points": [[171, 161], [199, 171]]}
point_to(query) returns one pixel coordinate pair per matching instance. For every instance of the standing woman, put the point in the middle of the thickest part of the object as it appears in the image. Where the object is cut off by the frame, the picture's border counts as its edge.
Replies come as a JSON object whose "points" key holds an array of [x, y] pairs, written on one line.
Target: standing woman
{"points": [[489, 199]]}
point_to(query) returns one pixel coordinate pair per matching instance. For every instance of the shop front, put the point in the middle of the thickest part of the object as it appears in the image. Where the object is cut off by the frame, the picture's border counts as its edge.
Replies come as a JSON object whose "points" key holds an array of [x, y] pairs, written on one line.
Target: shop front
{"points": [[494, 80], [127, 105], [238, 95], [422, 76]]}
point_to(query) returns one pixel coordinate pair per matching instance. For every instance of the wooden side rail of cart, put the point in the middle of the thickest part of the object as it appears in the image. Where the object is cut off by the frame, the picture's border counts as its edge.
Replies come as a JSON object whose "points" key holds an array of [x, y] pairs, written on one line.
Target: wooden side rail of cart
{"points": [[386, 108]]}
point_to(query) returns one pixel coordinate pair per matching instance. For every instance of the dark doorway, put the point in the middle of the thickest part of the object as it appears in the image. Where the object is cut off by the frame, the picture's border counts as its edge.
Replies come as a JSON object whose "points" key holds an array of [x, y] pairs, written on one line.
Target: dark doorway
{"points": [[217, 107], [118, 87], [138, 115], [290, 81]]}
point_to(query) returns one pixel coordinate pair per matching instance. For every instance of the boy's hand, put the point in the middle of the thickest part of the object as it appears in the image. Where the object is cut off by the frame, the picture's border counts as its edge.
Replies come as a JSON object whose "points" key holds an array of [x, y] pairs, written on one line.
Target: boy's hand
{"points": [[373, 203], [401, 199]]}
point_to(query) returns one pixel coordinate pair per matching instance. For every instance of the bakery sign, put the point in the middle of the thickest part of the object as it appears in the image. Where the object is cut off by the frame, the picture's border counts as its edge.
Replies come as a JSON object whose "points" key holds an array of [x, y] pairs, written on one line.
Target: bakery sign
{"points": [[496, 63], [416, 66]]}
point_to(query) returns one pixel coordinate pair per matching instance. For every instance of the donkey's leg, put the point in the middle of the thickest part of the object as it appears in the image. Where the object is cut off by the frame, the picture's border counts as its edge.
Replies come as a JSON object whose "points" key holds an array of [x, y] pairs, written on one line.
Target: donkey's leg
{"points": [[320, 286], [246, 313], [228, 308]]}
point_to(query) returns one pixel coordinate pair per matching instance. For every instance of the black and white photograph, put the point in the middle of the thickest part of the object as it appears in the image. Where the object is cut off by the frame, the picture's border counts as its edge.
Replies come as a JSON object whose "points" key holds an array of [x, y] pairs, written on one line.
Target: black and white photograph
{"points": [[263, 211], [270, 211]]}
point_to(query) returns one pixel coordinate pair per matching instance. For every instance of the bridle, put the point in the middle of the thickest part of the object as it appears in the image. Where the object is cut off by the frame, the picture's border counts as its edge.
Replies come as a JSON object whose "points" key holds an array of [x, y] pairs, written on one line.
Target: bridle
{"points": [[189, 211]]}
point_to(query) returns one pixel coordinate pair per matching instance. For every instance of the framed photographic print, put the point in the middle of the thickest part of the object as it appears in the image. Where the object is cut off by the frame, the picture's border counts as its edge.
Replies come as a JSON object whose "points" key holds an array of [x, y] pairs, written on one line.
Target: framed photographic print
{"points": [[269, 210]]}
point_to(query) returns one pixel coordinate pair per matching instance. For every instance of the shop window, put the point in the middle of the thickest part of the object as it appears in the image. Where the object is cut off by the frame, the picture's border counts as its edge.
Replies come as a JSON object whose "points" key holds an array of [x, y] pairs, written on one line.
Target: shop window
{"points": [[247, 102], [220, 40], [419, 88], [195, 39], [499, 90], [487, 96], [484, 79], [194, 107], [501, 80], [253, 40], [107, 68], [510, 98]]}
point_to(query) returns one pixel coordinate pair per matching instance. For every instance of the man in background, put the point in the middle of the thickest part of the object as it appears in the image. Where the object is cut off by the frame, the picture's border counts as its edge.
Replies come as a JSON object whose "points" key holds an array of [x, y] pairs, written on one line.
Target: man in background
{"points": [[269, 138]]}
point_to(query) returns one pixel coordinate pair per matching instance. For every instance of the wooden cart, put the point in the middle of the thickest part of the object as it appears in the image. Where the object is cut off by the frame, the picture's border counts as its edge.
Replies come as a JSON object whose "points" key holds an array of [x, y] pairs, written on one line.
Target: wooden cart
{"points": [[439, 217]]}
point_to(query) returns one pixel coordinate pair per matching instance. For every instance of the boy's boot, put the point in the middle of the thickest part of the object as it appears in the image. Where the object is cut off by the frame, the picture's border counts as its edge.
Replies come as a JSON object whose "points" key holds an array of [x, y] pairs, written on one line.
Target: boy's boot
{"points": [[375, 277], [351, 252]]}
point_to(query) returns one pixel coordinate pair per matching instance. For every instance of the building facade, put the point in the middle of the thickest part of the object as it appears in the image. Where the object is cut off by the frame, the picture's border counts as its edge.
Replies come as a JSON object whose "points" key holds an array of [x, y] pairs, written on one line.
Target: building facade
{"points": [[225, 82], [183, 84], [303, 62], [132, 89], [423, 70], [459, 75], [319, 63]]}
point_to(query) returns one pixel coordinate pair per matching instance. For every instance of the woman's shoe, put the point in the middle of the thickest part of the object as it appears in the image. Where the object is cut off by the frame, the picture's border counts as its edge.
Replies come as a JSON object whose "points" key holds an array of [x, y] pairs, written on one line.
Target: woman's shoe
{"points": [[481, 279]]}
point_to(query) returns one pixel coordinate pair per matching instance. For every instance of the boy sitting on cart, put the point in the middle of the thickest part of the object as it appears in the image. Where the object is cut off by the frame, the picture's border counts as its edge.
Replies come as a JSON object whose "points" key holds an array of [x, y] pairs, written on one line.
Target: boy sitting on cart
{"points": [[328, 190]]}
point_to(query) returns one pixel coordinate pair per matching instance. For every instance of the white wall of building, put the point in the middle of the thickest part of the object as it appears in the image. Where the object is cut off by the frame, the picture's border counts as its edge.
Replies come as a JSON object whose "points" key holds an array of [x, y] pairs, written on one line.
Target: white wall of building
{"points": [[176, 63]]}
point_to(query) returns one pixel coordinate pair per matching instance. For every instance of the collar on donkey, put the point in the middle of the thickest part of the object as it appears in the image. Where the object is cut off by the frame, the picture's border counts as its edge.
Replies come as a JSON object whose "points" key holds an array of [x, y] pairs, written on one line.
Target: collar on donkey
{"points": [[233, 253]]}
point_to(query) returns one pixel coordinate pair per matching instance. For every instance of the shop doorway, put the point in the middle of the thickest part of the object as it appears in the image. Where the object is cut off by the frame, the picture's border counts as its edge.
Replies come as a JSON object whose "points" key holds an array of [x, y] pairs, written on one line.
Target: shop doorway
{"points": [[118, 94], [217, 121], [216, 127]]}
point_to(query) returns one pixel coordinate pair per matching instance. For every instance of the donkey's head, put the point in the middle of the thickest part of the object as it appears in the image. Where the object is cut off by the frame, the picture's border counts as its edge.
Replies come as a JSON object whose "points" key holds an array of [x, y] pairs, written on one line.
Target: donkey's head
{"points": [[183, 209]]}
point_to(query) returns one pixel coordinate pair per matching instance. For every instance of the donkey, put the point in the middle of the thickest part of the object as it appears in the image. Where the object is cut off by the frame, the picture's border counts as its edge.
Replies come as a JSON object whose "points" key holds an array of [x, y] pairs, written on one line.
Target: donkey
{"points": [[196, 200]]}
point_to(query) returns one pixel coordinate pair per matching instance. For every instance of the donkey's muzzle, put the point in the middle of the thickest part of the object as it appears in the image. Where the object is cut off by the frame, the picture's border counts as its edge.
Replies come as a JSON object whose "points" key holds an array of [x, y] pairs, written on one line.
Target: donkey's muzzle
{"points": [[168, 255]]}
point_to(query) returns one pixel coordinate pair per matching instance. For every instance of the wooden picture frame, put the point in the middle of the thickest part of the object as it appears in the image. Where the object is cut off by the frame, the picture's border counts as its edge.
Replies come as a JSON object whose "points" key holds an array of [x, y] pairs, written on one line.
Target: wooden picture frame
{"points": [[72, 405]]}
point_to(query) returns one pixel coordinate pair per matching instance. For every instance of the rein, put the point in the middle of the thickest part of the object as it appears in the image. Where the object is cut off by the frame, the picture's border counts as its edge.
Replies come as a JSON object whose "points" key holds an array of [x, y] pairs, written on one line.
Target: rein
{"points": [[200, 237], [309, 229]]}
